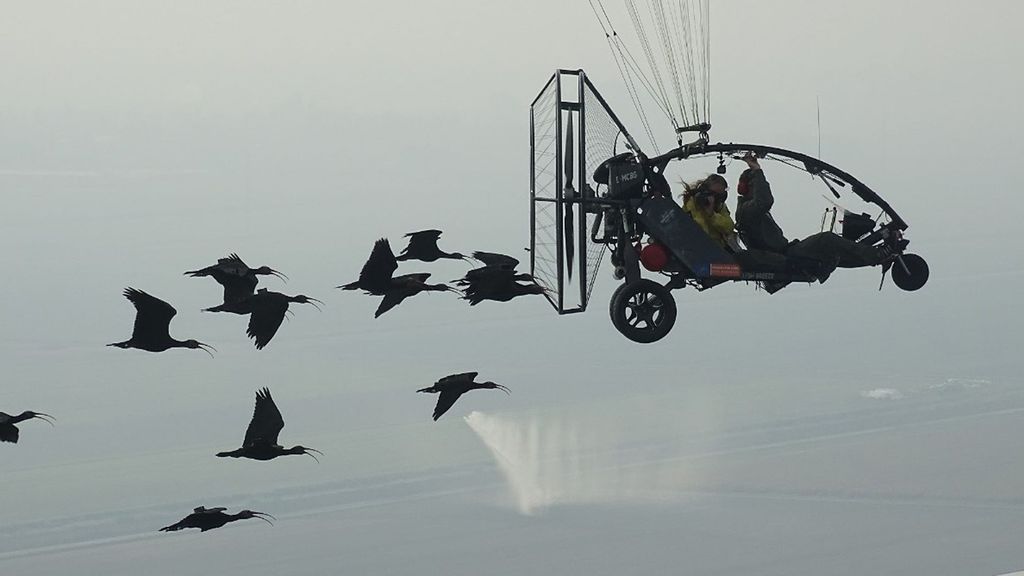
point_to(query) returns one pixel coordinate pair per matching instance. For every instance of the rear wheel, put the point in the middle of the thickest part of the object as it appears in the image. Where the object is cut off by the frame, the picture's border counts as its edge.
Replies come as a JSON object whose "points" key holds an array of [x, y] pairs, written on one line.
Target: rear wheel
{"points": [[909, 272], [643, 311]]}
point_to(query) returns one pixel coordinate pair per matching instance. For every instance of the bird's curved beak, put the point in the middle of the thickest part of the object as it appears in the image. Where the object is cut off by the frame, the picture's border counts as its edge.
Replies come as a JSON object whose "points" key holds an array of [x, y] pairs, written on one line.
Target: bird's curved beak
{"points": [[503, 389], [206, 348], [280, 275], [45, 418], [309, 452], [264, 516], [450, 289], [314, 302]]}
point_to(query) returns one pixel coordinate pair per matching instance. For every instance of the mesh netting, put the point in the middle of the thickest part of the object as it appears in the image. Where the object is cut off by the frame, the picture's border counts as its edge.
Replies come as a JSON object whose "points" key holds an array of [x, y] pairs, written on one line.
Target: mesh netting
{"points": [[545, 248], [595, 136]]}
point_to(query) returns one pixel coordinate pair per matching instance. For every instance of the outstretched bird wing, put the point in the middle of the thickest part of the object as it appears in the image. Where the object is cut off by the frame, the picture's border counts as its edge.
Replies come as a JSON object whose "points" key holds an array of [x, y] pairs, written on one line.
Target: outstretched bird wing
{"points": [[152, 317], [268, 310], [401, 287], [376, 273], [444, 402], [424, 241], [497, 260], [235, 277], [9, 433], [232, 264], [266, 421], [463, 377], [236, 288], [231, 273], [390, 300], [205, 510]]}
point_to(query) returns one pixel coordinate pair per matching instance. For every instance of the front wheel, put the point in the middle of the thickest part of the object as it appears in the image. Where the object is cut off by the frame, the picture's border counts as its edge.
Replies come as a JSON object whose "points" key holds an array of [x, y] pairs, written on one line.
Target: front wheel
{"points": [[643, 311], [909, 272]]}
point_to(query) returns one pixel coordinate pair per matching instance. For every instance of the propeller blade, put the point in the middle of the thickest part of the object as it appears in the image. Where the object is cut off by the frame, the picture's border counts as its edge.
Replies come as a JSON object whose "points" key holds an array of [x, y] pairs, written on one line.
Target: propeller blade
{"points": [[569, 193], [568, 153]]}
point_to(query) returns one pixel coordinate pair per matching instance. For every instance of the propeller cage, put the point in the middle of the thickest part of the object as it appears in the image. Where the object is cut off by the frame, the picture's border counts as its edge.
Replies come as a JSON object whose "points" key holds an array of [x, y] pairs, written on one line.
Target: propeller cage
{"points": [[573, 133]]}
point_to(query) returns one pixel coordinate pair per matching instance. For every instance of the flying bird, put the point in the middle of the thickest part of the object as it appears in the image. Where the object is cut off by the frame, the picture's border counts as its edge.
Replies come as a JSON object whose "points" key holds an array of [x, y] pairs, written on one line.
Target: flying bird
{"points": [[376, 278], [239, 281], [261, 436], [210, 518], [406, 285], [8, 428], [423, 246], [500, 286], [452, 387], [152, 317], [266, 312]]}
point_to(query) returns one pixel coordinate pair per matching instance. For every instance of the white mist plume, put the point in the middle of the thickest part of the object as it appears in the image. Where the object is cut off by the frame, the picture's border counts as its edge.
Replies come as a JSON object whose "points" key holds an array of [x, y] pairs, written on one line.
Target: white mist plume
{"points": [[882, 394], [558, 460]]}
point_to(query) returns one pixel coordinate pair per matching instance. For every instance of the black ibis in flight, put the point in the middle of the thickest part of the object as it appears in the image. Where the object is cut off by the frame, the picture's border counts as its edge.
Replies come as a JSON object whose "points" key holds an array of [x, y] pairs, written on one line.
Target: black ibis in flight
{"points": [[500, 286], [152, 317], [210, 518], [260, 441], [407, 285], [451, 387], [239, 281], [266, 311], [497, 280], [376, 278], [8, 424], [423, 246]]}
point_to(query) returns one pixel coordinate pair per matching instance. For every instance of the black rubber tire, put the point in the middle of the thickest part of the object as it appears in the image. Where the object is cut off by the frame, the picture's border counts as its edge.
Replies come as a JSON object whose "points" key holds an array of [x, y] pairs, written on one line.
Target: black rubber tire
{"points": [[643, 311], [916, 278]]}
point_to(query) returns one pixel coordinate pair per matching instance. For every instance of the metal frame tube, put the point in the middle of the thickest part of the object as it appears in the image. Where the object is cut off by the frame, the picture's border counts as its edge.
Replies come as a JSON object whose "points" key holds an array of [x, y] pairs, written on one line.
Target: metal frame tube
{"points": [[581, 226], [559, 193]]}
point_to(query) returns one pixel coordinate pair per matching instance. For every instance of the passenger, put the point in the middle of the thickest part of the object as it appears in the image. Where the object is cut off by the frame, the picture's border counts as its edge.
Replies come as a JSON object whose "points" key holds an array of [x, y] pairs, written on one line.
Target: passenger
{"points": [[704, 201], [758, 230]]}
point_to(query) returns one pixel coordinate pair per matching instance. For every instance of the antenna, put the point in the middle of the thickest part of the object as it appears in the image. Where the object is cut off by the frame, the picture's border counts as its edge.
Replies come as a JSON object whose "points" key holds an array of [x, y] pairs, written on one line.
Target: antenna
{"points": [[817, 105]]}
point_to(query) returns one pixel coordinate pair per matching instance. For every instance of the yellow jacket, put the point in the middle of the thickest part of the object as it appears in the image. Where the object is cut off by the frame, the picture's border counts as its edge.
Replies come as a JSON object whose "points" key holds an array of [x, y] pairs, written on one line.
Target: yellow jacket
{"points": [[718, 225]]}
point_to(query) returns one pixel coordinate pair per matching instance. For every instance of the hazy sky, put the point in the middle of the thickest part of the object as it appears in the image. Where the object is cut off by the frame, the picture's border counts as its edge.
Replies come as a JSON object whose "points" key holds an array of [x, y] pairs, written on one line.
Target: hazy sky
{"points": [[834, 429]]}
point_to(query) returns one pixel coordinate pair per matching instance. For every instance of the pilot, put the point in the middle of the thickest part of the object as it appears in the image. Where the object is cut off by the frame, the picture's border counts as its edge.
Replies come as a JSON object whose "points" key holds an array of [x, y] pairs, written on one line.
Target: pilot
{"points": [[758, 230]]}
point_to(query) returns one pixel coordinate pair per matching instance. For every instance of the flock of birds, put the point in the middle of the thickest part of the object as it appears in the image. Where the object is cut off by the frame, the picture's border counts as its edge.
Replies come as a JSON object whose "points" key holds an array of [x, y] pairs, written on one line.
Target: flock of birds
{"points": [[495, 280]]}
